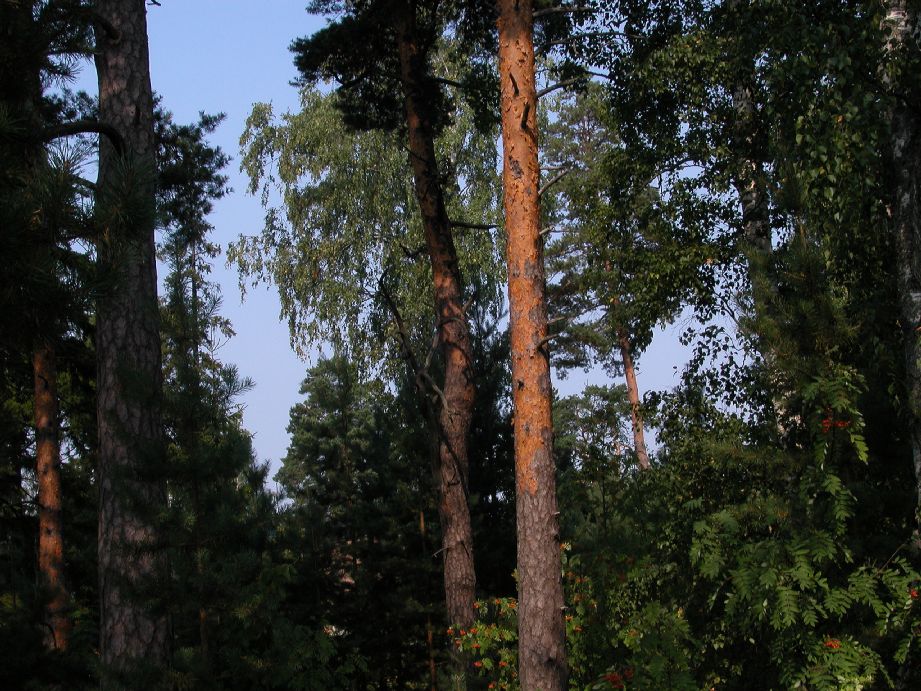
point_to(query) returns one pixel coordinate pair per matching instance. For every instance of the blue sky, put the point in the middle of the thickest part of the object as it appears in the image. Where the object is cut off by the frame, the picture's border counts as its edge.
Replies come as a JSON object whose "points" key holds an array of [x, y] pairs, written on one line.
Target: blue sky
{"points": [[223, 56]]}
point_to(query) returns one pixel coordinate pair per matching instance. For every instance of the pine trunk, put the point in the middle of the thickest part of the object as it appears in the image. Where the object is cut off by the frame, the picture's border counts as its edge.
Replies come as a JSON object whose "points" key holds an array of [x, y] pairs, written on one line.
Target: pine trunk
{"points": [[50, 519], [453, 336], [902, 27], [633, 396], [541, 633], [128, 352]]}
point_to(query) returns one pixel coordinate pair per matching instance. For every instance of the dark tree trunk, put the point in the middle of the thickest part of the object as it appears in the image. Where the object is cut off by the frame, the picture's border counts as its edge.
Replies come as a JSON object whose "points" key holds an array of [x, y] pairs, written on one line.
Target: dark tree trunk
{"points": [[128, 351], [541, 642], [50, 520], [453, 337], [902, 27]]}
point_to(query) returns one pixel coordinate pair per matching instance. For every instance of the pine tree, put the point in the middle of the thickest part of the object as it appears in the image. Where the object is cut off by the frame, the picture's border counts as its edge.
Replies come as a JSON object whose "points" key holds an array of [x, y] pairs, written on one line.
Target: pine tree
{"points": [[132, 632], [403, 37], [542, 653], [44, 200]]}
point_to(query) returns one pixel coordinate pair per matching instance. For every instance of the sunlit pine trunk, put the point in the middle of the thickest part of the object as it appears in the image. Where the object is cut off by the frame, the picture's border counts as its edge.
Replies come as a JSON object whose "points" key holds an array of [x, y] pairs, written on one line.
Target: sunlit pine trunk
{"points": [[456, 411], [128, 352], [901, 26], [541, 632], [50, 518]]}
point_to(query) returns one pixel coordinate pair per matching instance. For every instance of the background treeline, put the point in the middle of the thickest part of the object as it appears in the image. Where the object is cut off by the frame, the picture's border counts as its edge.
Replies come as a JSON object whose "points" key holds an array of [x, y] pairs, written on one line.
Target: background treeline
{"points": [[749, 169]]}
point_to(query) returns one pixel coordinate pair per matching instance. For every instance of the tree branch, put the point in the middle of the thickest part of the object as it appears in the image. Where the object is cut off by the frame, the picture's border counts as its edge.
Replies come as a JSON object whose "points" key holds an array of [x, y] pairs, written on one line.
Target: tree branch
{"points": [[448, 82], [473, 226], [412, 254], [552, 181], [68, 129], [561, 85], [83, 182]]}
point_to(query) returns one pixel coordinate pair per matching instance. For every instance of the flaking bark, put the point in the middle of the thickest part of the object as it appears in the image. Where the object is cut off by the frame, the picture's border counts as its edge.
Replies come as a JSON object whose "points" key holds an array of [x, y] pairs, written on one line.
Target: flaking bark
{"points": [[541, 633], [128, 353]]}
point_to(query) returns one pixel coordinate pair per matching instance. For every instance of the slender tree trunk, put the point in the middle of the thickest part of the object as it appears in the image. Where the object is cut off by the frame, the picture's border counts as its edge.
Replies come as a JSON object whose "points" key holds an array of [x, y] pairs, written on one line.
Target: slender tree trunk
{"points": [[453, 336], [128, 352], [749, 182], [50, 520], [541, 633], [633, 396], [902, 27]]}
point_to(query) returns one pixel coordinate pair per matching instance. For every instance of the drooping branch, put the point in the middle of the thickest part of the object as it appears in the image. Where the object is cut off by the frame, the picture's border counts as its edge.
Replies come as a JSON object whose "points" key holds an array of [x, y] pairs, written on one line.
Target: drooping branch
{"points": [[69, 129]]}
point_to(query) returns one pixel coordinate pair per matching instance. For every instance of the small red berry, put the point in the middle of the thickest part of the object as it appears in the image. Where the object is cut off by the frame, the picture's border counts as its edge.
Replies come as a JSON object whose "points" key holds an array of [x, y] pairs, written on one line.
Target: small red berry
{"points": [[614, 679]]}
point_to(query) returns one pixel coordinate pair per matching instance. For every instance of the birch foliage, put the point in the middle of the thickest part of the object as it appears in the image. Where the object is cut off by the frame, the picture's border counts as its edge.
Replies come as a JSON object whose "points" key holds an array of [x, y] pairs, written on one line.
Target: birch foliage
{"points": [[342, 229]]}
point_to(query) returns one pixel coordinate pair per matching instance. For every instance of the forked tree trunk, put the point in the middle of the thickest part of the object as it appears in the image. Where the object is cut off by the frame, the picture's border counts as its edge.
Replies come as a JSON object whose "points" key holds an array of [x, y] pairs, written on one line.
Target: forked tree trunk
{"points": [[541, 633], [633, 396], [901, 25], [128, 351], [453, 336], [50, 519]]}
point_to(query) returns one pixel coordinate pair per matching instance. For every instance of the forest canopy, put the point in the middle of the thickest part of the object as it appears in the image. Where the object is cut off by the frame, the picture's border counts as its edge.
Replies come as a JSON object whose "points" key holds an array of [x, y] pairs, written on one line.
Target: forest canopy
{"points": [[466, 197]]}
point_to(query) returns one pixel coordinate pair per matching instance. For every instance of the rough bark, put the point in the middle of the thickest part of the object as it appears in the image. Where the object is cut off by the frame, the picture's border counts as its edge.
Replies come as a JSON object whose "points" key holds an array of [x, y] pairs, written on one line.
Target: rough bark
{"points": [[128, 352], [541, 642], [456, 412], [633, 396], [50, 520], [901, 26]]}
